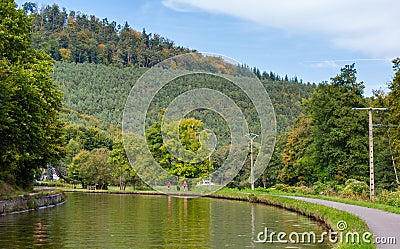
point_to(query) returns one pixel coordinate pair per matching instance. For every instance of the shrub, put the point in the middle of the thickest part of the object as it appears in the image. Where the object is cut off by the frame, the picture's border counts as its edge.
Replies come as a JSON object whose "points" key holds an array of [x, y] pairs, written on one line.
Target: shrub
{"points": [[303, 190], [6, 189], [261, 189], [281, 187], [292, 189], [356, 188], [32, 204], [389, 198]]}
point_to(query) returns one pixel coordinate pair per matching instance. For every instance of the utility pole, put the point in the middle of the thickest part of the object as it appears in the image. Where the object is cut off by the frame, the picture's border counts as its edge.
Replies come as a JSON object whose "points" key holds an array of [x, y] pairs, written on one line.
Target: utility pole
{"points": [[371, 149], [251, 136]]}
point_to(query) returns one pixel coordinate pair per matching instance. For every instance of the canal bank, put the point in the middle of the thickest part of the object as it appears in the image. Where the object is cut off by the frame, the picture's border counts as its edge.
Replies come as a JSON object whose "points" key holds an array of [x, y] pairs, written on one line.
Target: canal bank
{"points": [[32, 201]]}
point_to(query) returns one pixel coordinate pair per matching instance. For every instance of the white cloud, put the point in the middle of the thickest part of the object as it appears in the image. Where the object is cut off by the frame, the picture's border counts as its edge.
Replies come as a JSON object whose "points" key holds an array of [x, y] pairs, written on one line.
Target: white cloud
{"points": [[325, 64], [369, 26], [334, 63]]}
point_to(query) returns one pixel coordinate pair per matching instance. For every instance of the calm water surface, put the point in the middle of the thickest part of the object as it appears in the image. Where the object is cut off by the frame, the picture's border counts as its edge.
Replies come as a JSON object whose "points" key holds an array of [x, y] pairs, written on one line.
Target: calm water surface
{"points": [[139, 221]]}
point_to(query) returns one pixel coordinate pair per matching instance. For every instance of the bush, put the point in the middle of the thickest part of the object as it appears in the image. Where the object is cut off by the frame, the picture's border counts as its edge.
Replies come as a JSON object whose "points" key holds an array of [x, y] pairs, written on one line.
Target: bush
{"points": [[356, 188], [32, 204], [292, 189], [6, 189], [389, 198], [252, 198], [261, 189], [303, 190], [281, 187], [328, 188]]}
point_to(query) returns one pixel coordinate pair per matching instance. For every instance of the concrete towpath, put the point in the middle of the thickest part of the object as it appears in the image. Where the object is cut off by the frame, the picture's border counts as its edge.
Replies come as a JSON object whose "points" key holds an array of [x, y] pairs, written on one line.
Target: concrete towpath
{"points": [[384, 225]]}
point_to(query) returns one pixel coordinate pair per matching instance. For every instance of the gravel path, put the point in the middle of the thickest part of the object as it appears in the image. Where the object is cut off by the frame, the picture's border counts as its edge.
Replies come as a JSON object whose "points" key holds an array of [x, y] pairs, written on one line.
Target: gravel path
{"points": [[383, 225]]}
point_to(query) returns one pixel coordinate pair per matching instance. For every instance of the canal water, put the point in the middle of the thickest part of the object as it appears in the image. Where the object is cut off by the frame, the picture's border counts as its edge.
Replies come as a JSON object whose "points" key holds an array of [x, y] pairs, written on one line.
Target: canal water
{"points": [[142, 221]]}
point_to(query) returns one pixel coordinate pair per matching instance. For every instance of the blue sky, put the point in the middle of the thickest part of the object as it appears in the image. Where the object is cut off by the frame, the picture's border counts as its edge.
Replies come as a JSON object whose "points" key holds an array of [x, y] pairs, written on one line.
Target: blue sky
{"points": [[310, 39]]}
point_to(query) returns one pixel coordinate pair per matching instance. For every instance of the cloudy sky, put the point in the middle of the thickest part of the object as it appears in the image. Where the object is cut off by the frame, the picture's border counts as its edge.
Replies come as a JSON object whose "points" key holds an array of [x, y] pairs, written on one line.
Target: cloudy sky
{"points": [[310, 39]]}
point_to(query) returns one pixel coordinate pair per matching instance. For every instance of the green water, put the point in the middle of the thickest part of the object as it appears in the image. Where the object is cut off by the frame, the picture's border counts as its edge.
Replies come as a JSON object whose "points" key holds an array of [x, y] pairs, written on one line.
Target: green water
{"points": [[139, 221]]}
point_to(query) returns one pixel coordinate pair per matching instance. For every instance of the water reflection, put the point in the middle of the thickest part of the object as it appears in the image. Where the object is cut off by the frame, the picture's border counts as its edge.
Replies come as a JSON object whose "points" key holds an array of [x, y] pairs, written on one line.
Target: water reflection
{"points": [[128, 221], [39, 232], [253, 229]]}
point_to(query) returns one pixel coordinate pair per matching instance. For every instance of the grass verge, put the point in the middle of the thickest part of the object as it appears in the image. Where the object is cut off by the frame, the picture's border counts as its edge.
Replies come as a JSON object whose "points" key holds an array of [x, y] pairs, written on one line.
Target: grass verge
{"points": [[369, 204]]}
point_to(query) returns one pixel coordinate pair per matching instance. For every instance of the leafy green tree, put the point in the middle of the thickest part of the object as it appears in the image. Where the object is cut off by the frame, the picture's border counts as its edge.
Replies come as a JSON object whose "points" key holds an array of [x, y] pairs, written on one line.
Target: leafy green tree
{"points": [[270, 176], [74, 175], [122, 168], [298, 168], [189, 132], [333, 140], [29, 102], [88, 137], [92, 168], [340, 134], [384, 154], [394, 110], [72, 148]]}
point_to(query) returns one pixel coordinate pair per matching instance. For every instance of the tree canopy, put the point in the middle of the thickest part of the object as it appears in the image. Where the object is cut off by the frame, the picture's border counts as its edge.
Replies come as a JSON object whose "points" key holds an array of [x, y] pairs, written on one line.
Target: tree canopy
{"points": [[330, 139], [30, 102]]}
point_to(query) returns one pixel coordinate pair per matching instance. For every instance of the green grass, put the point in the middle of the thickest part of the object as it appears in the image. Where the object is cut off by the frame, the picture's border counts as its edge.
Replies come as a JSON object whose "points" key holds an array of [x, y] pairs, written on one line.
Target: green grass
{"points": [[369, 204], [328, 215]]}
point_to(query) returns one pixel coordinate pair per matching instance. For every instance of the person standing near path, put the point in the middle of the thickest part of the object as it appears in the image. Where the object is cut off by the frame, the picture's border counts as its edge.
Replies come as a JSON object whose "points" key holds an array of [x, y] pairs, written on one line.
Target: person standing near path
{"points": [[169, 186], [185, 185]]}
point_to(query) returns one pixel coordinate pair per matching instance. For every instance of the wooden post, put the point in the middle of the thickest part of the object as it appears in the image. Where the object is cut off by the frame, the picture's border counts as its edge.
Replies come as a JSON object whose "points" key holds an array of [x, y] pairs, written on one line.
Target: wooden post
{"points": [[251, 136], [251, 165], [371, 157], [371, 149]]}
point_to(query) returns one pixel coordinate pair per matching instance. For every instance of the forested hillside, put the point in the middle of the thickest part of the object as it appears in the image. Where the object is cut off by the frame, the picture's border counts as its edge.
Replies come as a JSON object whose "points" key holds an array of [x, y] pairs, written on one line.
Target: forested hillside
{"points": [[101, 91], [95, 95], [76, 37]]}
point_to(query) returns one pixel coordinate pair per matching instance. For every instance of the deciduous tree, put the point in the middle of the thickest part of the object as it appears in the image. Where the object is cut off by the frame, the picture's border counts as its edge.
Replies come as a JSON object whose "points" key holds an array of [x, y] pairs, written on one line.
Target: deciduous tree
{"points": [[30, 129]]}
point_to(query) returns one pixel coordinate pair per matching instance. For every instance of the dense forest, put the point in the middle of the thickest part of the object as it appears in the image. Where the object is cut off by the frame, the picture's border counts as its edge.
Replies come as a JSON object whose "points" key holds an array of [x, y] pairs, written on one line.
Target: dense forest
{"points": [[321, 141]]}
